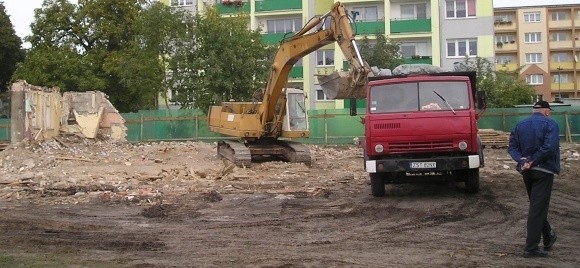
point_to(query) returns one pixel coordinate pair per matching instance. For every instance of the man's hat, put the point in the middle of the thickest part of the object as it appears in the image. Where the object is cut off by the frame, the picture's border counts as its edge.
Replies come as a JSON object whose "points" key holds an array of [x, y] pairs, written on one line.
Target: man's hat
{"points": [[542, 104]]}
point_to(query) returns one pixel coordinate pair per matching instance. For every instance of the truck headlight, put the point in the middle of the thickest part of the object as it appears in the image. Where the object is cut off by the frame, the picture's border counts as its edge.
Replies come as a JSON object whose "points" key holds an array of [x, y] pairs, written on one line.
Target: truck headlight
{"points": [[379, 148], [462, 145]]}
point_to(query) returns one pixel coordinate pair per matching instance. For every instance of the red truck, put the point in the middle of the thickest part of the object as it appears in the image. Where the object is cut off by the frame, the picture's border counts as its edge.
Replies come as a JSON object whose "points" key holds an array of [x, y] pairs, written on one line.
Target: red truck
{"points": [[423, 127]]}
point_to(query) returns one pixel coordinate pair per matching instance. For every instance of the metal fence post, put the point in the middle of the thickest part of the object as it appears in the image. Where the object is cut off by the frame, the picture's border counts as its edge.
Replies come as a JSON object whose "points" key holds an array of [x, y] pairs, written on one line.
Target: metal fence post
{"points": [[141, 129]]}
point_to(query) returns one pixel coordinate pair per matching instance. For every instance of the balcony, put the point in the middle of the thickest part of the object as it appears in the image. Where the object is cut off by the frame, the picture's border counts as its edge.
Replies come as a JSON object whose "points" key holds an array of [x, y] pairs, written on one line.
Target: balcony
{"points": [[277, 5], [506, 46], [566, 65], [508, 67], [274, 38], [418, 60], [297, 72], [562, 44], [504, 26], [411, 26], [562, 87], [560, 24], [369, 27], [232, 7]]}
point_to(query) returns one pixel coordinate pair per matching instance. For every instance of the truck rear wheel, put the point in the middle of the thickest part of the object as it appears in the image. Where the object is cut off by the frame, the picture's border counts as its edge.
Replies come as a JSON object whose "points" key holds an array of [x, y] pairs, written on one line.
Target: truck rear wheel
{"points": [[472, 181], [377, 184]]}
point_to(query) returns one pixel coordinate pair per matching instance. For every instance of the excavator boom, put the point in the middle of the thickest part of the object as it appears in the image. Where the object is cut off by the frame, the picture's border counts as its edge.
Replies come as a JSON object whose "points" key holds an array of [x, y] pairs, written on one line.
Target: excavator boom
{"points": [[260, 124]]}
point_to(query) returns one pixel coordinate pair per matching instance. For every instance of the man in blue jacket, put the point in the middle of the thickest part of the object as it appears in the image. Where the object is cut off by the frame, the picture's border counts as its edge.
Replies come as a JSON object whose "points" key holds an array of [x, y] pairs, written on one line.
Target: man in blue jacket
{"points": [[535, 145]]}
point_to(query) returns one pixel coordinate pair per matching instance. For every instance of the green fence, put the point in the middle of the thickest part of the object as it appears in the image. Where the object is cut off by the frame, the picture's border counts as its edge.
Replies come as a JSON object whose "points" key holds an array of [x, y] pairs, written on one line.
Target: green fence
{"points": [[334, 126]]}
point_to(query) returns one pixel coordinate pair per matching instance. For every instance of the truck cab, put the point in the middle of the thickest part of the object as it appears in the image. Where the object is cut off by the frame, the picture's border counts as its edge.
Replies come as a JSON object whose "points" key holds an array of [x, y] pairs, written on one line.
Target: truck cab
{"points": [[422, 128]]}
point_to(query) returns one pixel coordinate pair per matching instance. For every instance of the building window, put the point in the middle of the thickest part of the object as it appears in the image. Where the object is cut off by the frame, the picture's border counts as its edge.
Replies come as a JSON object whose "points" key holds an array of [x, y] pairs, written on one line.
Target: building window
{"points": [[534, 79], [460, 8], [559, 15], [461, 47], [414, 11], [504, 18], [533, 57], [408, 50], [561, 78], [283, 25], [559, 36], [532, 16], [505, 39], [175, 3], [320, 96], [370, 13], [561, 57], [532, 37], [325, 57], [504, 59]]}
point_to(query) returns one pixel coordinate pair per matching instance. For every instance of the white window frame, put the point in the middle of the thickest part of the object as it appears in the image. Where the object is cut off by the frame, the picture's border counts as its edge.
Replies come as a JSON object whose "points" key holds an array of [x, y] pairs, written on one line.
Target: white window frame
{"points": [[559, 15], [457, 53], [318, 92], [451, 6], [535, 37], [288, 25], [504, 59], [504, 38], [561, 78], [532, 17], [325, 53], [559, 36], [532, 58], [561, 57], [504, 18], [415, 15], [181, 3], [534, 79], [363, 13]]}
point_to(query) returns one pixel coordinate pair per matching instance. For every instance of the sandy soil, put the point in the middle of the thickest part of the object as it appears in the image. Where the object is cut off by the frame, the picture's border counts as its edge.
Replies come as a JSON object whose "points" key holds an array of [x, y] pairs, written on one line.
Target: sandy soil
{"points": [[83, 203]]}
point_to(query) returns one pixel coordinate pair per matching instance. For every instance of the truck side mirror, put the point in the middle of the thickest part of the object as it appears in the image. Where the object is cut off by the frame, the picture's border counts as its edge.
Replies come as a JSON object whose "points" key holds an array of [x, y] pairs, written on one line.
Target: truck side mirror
{"points": [[481, 99], [352, 107]]}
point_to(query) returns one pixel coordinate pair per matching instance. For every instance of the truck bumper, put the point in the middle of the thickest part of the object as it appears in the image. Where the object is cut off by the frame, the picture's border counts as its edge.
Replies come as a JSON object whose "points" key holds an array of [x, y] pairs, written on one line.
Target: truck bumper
{"points": [[422, 165]]}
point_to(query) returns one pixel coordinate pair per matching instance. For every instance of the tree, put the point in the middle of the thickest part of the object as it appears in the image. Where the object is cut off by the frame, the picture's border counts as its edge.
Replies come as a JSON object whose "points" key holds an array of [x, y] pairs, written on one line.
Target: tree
{"points": [[11, 52], [382, 53], [503, 88], [225, 60], [97, 45]]}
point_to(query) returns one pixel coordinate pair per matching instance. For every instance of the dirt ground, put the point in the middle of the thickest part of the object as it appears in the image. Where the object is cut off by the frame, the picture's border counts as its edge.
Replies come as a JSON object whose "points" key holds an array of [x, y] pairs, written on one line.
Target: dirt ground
{"points": [[93, 203]]}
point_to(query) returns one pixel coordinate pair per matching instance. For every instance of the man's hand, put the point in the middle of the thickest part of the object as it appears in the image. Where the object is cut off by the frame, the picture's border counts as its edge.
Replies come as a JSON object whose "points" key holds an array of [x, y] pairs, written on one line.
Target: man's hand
{"points": [[526, 166]]}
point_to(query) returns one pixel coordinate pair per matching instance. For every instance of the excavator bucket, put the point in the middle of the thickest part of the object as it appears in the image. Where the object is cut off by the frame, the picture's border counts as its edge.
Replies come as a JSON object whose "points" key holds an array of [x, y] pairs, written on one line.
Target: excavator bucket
{"points": [[341, 85]]}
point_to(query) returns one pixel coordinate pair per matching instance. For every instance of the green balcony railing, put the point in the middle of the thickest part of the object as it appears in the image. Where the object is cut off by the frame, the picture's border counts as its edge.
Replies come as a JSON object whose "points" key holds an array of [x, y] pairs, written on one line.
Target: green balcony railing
{"points": [[274, 38], [278, 5], [233, 8], [411, 26], [420, 60], [369, 27], [296, 72]]}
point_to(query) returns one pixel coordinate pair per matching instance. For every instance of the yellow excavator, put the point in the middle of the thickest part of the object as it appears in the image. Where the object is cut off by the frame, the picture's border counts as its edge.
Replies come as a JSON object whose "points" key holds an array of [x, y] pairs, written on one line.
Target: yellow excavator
{"points": [[263, 129]]}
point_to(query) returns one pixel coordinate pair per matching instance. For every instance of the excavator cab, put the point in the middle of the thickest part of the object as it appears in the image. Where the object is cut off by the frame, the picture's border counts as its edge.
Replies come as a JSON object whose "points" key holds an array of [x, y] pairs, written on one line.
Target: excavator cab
{"points": [[296, 118]]}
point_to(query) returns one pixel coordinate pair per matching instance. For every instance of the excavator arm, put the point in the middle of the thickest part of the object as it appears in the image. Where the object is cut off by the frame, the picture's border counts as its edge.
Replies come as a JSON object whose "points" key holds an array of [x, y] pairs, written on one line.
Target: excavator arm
{"points": [[259, 124], [303, 43]]}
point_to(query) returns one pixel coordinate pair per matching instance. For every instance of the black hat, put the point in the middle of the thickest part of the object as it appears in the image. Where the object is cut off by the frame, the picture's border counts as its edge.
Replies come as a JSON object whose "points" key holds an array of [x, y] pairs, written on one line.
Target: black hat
{"points": [[542, 104]]}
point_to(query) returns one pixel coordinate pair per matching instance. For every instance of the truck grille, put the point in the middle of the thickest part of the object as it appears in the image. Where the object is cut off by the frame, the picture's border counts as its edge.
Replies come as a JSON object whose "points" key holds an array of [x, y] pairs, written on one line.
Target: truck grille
{"points": [[387, 125], [397, 147]]}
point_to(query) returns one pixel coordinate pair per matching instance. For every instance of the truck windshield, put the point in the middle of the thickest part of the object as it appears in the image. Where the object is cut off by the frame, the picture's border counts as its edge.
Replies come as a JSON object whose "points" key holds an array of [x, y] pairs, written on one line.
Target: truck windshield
{"points": [[419, 96]]}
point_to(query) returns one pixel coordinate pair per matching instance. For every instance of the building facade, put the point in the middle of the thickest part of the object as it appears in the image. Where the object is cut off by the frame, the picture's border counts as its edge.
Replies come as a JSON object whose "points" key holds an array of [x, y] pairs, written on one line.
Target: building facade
{"points": [[541, 42], [438, 32]]}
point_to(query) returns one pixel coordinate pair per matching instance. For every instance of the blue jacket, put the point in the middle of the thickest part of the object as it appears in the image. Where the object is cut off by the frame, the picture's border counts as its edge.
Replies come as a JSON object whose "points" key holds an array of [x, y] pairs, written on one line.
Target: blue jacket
{"points": [[537, 139]]}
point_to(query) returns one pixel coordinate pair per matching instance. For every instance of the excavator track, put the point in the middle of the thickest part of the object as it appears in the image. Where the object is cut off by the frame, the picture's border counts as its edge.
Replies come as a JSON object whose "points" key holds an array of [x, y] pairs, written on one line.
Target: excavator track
{"points": [[242, 154], [235, 152]]}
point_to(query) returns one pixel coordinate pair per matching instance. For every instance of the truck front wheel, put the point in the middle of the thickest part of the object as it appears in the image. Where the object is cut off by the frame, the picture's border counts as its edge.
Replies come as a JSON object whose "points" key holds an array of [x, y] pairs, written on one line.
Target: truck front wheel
{"points": [[472, 181], [377, 184]]}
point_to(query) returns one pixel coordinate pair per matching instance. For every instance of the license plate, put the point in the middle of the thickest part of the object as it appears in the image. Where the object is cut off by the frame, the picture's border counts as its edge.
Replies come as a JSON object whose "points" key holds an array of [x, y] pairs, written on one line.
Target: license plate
{"points": [[423, 164]]}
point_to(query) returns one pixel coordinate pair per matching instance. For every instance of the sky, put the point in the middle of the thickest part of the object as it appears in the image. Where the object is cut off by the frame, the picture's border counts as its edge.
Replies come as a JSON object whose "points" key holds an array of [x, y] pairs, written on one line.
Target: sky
{"points": [[21, 12]]}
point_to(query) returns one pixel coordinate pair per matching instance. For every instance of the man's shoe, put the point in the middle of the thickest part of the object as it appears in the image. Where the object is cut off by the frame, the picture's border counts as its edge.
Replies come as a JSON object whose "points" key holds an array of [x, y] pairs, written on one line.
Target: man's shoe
{"points": [[535, 253], [550, 242]]}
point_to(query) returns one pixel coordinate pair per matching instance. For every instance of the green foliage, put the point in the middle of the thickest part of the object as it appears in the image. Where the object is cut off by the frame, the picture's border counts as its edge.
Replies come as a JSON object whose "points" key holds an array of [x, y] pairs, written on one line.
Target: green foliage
{"points": [[382, 52], [105, 45], [503, 88], [10, 49], [223, 61]]}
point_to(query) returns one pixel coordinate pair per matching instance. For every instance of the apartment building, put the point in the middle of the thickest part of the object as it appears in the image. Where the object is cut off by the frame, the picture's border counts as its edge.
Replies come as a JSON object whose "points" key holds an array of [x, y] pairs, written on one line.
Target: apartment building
{"points": [[543, 42], [439, 32]]}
